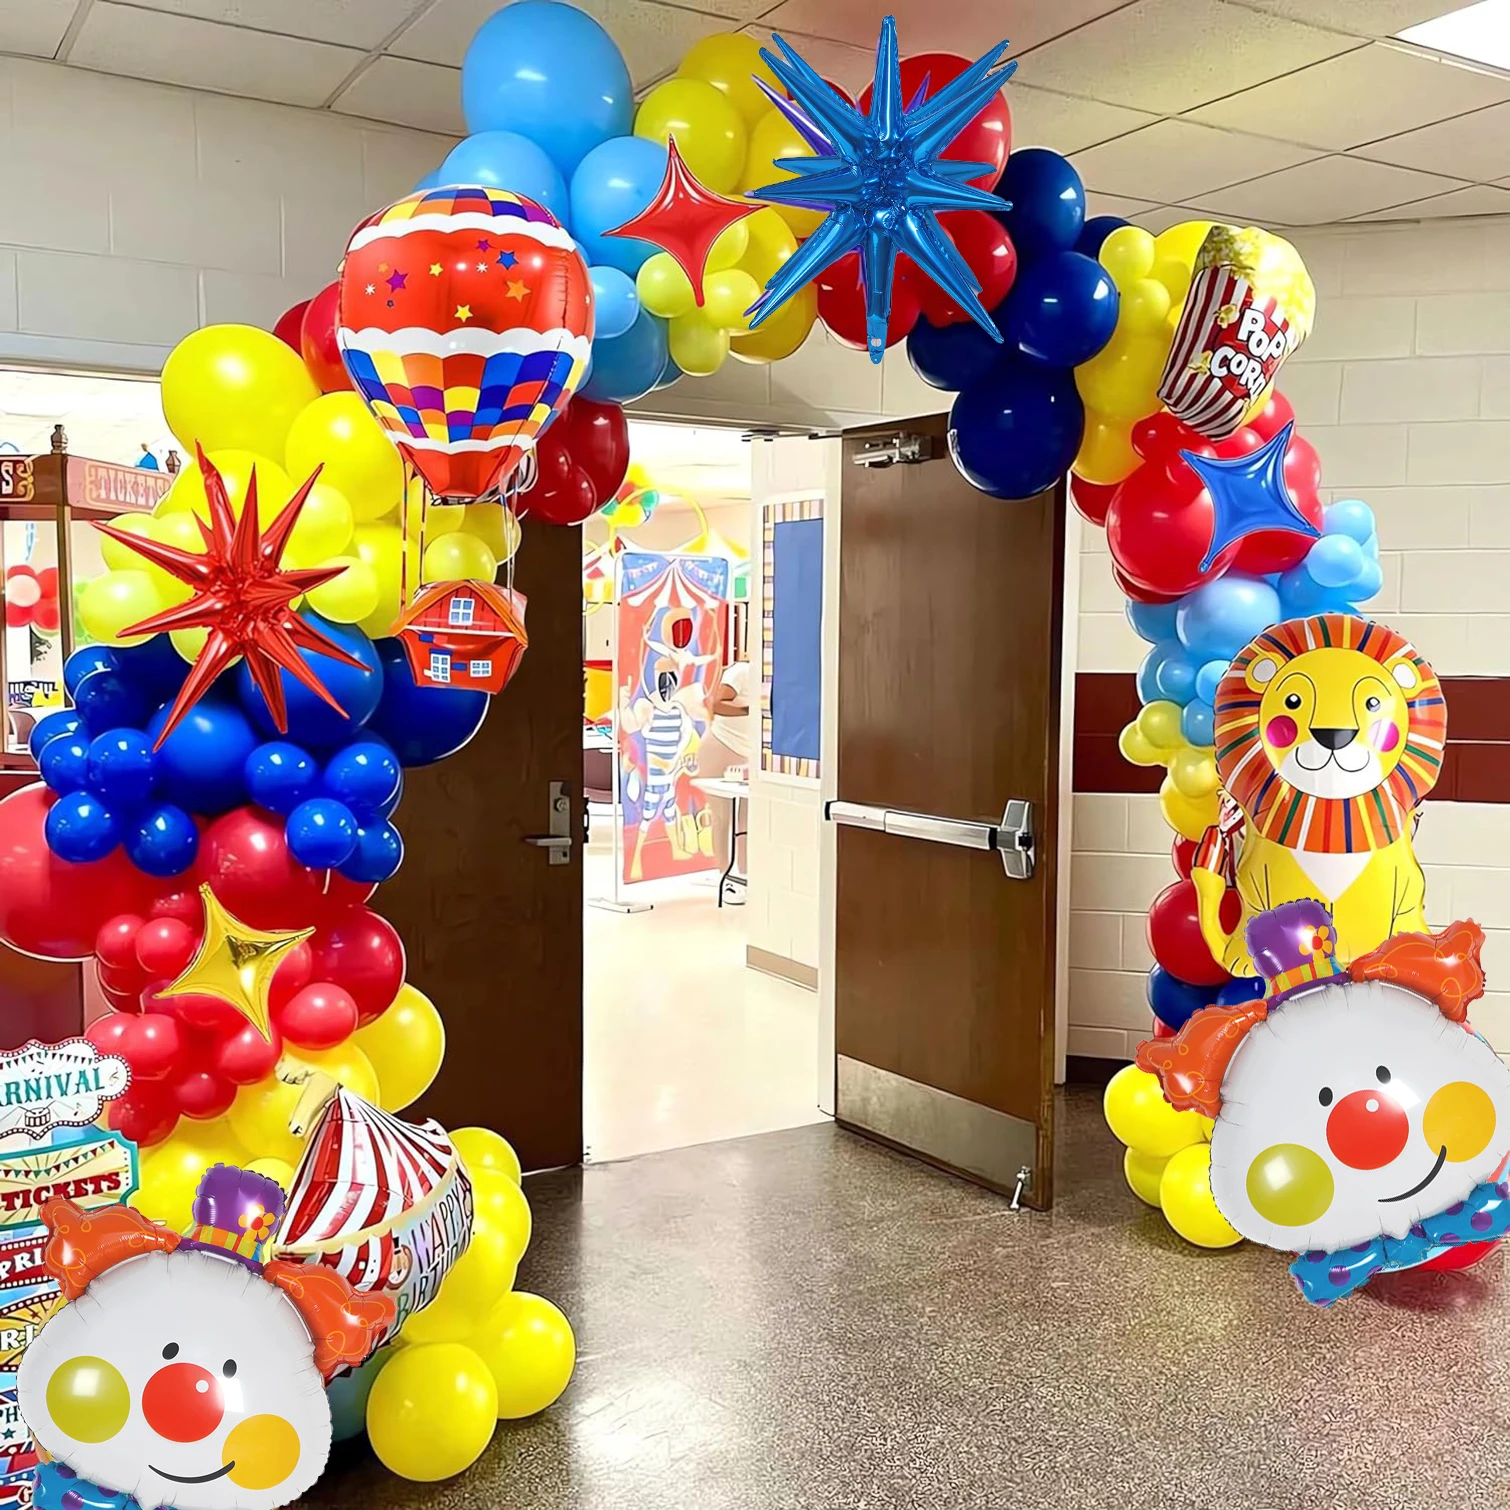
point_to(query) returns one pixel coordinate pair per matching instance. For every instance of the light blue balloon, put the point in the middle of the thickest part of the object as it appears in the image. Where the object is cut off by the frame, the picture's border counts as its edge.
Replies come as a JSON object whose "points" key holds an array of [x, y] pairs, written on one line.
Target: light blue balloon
{"points": [[1208, 679], [1300, 595], [506, 160], [1198, 722], [1148, 675], [1335, 561], [1219, 617], [1369, 580], [347, 1396], [1152, 621], [551, 73], [670, 374], [1175, 677], [431, 180], [1348, 516], [614, 182], [1371, 546], [616, 303], [630, 365]]}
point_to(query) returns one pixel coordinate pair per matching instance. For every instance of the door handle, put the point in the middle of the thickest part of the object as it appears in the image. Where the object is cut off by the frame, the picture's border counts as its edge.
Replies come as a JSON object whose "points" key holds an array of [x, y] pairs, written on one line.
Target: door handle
{"points": [[557, 843], [1012, 838]]}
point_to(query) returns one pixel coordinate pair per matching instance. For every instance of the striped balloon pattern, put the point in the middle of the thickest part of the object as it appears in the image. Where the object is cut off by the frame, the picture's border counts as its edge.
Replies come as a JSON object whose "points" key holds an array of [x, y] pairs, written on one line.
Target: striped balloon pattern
{"points": [[466, 321]]}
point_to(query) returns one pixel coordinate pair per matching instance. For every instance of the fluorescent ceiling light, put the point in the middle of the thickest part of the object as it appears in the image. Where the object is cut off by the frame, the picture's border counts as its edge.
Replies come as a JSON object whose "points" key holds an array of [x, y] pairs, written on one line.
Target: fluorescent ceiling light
{"points": [[1480, 33]]}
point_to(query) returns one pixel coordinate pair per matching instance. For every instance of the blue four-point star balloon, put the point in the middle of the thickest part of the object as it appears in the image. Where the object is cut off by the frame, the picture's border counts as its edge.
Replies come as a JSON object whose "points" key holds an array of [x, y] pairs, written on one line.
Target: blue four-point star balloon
{"points": [[884, 183], [1248, 494]]}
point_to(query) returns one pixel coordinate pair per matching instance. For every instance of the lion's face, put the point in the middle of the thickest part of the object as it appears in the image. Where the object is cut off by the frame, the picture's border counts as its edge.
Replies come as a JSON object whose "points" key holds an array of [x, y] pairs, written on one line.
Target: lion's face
{"points": [[1333, 722]]}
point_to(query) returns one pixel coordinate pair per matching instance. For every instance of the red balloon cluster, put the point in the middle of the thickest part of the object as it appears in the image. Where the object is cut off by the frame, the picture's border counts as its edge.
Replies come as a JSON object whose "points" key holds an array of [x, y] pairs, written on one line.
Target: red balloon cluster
{"points": [[1175, 938], [580, 460], [310, 328]]}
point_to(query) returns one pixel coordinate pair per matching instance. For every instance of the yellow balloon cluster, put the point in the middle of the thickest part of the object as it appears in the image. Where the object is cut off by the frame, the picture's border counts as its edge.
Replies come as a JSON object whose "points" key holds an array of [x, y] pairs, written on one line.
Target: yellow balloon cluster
{"points": [[1189, 796], [1168, 1157]]}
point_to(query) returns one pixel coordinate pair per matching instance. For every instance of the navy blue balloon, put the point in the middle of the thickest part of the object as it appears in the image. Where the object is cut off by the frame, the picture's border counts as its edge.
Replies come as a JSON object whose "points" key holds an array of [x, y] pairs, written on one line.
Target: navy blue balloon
{"points": [[154, 667], [1239, 989], [163, 841], [1095, 231], [64, 762], [628, 366], [366, 776], [280, 775], [106, 700], [1173, 1000], [423, 724], [1048, 203], [84, 660], [379, 852], [390, 806], [952, 357], [201, 763], [122, 768], [52, 726], [312, 722], [79, 827], [1016, 433], [1062, 310], [321, 833]]}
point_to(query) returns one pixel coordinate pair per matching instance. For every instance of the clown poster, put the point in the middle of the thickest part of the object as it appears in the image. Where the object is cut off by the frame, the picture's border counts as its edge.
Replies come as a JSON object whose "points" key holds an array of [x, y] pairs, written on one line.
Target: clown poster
{"points": [[668, 658]]}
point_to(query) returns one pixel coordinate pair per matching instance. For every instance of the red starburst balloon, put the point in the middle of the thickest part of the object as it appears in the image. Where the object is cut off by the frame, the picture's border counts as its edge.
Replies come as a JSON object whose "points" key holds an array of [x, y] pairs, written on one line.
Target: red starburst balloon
{"points": [[242, 595]]}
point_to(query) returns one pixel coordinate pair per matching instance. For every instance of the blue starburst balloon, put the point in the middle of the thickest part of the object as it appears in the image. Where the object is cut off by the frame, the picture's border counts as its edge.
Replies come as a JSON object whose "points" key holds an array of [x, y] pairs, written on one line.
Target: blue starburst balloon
{"points": [[884, 183]]}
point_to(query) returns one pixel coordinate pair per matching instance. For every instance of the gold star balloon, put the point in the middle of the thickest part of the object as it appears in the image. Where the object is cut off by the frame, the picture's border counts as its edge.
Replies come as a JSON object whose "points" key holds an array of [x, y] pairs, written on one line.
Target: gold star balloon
{"points": [[235, 963]]}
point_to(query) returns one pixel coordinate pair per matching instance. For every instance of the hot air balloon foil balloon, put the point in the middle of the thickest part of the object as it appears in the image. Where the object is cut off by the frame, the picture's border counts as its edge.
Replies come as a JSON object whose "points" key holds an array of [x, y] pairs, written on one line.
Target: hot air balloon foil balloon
{"points": [[466, 320]]}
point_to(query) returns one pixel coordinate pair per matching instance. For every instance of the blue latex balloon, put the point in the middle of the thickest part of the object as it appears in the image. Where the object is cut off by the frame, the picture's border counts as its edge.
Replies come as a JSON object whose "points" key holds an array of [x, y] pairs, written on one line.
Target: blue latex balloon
{"points": [[1334, 561], [1062, 309], [630, 365], [1152, 621], [347, 1396], [365, 777], [670, 374], [1148, 675], [431, 180], [1348, 516], [122, 768], [423, 724], [1048, 202], [201, 763], [321, 833], [391, 805], [506, 160], [1175, 677], [312, 722], [1209, 678], [154, 668], [279, 776], [551, 73], [1240, 989], [1016, 433], [64, 762], [84, 660], [1371, 546], [1369, 580], [614, 182], [379, 852], [1219, 617], [79, 827], [952, 357], [52, 726], [1300, 594], [1198, 722], [106, 700], [163, 841], [615, 301], [1095, 231], [1173, 1000]]}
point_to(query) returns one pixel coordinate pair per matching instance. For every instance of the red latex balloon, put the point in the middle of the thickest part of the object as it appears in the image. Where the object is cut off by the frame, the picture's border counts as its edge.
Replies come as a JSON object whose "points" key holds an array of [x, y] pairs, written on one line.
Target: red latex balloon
{"points": [[292, 975], [317, 340], [1273, 417], [579, 463], [841, 302], [200, 1014], [152, 1045], [360, 952], [318, 1017], [183, 905], [164, 947], [1131, 589], [115, 943], [1174, 936], [245, 859], [290, 326], [983, 242], [107, 1033], [1157, 539], [598, 437], [339, 892], [566, 502], [1091, 499], [246, 1056], [48, 907], [987, 138], [146, 1114], [1183, 855], [1161, 1029], [202, 1094], [1161, 437]]}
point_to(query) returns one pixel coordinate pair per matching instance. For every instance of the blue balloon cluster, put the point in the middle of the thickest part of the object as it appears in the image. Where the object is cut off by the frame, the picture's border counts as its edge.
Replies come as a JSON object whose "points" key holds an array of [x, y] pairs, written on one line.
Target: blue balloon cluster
{"points": [[1017, 422], [1341, 570], [550, 108]]}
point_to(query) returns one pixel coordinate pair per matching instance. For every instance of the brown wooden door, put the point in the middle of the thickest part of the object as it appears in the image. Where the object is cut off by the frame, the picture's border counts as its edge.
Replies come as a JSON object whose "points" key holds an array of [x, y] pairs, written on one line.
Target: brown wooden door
{"points": [[493, 930], [950, 613]]}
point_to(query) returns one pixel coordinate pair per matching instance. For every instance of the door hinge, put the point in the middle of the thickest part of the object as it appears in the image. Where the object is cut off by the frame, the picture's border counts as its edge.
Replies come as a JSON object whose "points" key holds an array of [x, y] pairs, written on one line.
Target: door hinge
{"points": [[905, 449]]}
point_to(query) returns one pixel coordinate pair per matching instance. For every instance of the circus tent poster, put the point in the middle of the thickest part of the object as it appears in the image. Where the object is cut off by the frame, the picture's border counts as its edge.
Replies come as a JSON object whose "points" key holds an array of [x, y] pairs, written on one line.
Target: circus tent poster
{"points": [[669, 658]]}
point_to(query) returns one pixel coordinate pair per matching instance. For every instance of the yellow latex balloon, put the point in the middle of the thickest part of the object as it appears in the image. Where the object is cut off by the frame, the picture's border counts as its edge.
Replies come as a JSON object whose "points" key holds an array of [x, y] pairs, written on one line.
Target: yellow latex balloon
{"points": [[728, 247], [495, 526], [432, 1411], [1135, 747], [528, 1347], [1121, 383], [1179, 243], [710, 133], [1127, 255], [274, 488], [1192, 769], [697, 347], [1106, 454], [171, 1170], [190, 643], [1189, 817], [726, 297], [483, 1150], [772, 137], [1159, 723], [236, 387], [1144, 309], [118, 557], [349, 598], [782, 332], [116, 599], [502, 1207], [259, 1118], [279, 1171], [663, 287], [382, 547], [770, 241], [439, 519], [1143, 1172], [359, 459], [458, 558], [476, 1281], [345, 1063], [324, 528], [405, 1047], [1140, 1117], [1185, 1195], [731, 63]]}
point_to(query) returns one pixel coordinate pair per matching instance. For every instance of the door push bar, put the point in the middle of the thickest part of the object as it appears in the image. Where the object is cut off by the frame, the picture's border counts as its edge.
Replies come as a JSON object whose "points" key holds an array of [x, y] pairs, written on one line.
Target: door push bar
{"points": [[1012, 838]]}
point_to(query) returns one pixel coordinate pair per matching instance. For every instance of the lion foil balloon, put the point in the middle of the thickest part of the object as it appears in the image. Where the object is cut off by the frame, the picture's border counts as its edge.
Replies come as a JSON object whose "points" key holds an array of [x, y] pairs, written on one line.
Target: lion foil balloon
{"points": [[1329, 733], [1360, 1122]]}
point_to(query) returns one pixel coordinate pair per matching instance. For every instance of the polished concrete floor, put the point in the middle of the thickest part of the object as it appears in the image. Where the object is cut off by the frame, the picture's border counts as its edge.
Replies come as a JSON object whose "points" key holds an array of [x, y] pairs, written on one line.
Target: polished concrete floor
{"points": [[806, 1321]]}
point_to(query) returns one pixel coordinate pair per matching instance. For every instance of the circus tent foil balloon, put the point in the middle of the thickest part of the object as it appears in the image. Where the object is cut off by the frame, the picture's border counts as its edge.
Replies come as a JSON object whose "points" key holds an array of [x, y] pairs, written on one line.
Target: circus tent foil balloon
{"points": [[466, 323]]}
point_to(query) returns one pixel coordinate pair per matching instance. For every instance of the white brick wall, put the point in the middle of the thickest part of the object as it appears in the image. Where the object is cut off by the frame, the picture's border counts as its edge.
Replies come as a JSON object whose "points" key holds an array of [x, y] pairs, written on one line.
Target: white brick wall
{"points": [[1404, 389]]}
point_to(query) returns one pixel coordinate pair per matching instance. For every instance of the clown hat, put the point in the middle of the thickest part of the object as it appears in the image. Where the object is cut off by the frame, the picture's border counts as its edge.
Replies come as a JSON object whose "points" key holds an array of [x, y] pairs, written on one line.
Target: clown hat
{"points": [[235, 1212], [1294, 947]]}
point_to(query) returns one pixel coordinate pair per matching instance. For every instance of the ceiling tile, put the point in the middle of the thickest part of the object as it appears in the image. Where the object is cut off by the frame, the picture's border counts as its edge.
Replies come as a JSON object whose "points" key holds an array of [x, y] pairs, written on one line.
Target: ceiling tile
{"points": [[1365, 18], [1477, 199], [406, 93], [1359, 97], [1169, 56], [852, 68], [1116, 204], [349, 23], [204, 55], [929, 26], [1319, 192], [1473, 146], [1178, 160], [1161, 217], [34, 28], [1041, 118]]}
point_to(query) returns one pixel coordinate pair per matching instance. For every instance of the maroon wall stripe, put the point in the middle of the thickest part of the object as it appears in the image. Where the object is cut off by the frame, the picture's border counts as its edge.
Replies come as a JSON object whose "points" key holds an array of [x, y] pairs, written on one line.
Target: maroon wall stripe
{"points": [[1476, 767]]}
